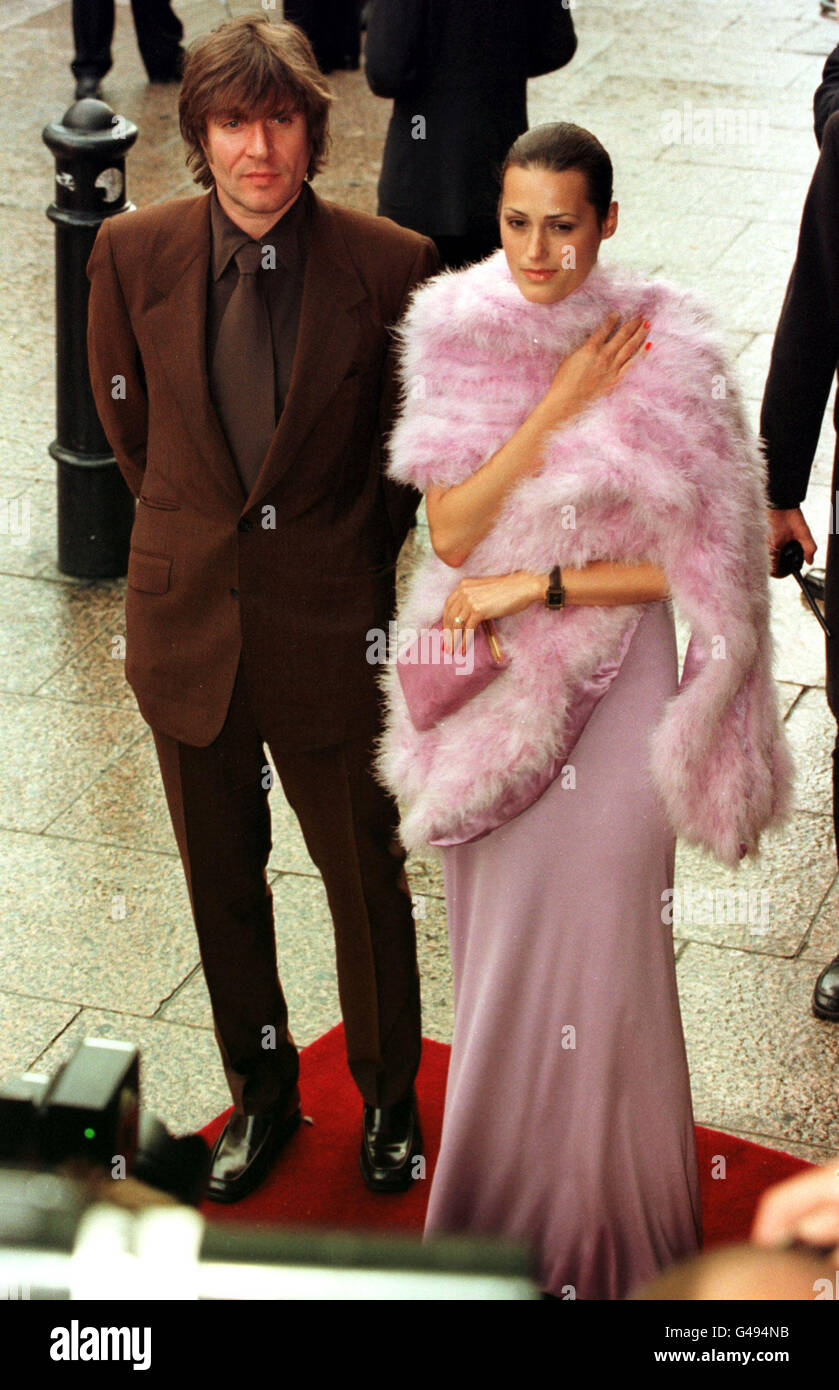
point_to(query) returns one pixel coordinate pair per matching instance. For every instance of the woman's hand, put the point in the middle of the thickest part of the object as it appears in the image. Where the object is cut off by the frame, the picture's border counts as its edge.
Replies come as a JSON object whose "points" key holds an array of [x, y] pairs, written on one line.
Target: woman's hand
{"points": [[460, 516], [597, 366], [603, 583], [488, 596]]}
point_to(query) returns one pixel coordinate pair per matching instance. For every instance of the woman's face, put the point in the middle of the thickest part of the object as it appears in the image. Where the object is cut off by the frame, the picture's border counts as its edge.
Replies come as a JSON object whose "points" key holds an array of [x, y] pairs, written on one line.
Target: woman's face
{"points": [[550, 232]]}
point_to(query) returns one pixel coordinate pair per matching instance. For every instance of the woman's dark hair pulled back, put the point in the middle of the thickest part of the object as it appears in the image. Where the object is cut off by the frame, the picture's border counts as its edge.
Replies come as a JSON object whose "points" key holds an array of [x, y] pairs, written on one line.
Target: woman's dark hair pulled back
{"points": [[559, 146]]}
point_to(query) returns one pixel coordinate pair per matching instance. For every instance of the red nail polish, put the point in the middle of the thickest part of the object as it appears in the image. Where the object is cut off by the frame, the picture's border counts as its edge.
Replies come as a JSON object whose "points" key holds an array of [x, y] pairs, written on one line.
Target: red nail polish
{"points": [[647, 347]]}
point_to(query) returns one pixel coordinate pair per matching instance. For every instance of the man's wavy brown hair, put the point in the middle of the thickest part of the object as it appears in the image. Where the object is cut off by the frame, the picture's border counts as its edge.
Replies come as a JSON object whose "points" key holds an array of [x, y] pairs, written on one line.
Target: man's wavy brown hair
{"points": [[248, 68]]}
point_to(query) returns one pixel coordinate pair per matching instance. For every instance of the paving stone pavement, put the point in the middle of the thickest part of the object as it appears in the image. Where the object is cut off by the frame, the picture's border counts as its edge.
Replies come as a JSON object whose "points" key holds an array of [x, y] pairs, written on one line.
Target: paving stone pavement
{"points": [[97, 937]]}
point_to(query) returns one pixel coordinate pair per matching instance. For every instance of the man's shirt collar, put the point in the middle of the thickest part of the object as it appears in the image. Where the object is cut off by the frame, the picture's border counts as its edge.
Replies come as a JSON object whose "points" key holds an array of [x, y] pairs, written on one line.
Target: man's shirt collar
{"points": [[287, 235]]}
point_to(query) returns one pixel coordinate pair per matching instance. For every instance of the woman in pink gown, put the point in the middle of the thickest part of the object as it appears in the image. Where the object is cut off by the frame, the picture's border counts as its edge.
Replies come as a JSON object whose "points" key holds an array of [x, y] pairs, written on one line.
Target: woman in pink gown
{"points": [[568, 1121]]}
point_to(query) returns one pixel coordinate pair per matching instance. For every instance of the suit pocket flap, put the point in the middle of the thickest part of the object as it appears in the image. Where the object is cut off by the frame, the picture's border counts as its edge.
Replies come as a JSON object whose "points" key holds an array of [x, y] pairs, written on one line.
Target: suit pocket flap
{"points": [[149, 573]]}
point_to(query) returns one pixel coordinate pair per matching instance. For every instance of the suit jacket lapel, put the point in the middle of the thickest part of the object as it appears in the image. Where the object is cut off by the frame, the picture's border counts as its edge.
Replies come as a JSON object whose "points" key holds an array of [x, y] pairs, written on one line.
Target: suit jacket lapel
{"points": [[327, 340], [177, 323]]}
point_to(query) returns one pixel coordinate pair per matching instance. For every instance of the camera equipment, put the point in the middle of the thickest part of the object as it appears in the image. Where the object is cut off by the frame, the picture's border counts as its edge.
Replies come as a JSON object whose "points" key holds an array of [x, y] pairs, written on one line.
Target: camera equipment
{"points": [[90, 1110], [59, 1240], [55, 1244]]}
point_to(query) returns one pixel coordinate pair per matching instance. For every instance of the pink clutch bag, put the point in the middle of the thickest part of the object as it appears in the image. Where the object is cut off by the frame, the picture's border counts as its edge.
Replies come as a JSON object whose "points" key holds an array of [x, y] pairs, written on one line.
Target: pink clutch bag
{"points": [[436, 683]]}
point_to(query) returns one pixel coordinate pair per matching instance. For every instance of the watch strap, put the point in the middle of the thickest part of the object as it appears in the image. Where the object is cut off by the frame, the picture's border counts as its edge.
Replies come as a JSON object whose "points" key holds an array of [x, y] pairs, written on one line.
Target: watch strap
{"points": [[555, 596]]}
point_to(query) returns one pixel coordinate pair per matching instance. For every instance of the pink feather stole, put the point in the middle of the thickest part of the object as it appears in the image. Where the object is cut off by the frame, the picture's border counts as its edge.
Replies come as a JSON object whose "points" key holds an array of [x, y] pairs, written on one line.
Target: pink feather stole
{"points": [[663, 468]]}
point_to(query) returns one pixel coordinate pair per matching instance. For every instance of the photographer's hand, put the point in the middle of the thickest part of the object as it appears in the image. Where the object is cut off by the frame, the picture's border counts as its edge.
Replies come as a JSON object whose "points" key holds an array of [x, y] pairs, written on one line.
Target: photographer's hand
{"points": [[803, 1209]]}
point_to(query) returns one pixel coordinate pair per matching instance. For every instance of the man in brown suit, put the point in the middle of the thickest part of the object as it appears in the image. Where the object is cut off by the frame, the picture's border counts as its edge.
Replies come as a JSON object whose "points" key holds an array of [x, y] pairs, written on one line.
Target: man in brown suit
{"points": [[239, 353]]}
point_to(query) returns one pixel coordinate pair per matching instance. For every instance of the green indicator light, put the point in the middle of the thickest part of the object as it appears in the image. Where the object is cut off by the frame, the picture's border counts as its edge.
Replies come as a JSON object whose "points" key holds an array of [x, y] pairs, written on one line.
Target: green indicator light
{"points": [[90, 1134]]}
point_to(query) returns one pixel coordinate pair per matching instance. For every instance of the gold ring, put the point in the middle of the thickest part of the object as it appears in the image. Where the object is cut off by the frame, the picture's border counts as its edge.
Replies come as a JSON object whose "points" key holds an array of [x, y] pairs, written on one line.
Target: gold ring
{"points": [[458, 622]]}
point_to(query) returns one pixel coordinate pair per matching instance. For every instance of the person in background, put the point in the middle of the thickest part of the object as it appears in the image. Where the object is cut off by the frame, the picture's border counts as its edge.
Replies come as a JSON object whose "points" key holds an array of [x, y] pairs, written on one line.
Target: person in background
{"points": [[159, 34], [333, 28], [803, 1210], [793, 1249], [805, 356], [826, 98], [457, 71]]}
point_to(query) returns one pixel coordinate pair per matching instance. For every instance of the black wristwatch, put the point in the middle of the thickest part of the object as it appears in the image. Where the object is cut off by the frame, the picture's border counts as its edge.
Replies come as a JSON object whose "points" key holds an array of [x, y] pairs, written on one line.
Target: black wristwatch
{"points": [[555, 595]]}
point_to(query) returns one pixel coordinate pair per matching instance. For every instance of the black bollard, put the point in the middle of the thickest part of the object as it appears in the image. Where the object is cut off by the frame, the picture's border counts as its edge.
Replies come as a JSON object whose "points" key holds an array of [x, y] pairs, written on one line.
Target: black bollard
{"points": [[95, 508]]}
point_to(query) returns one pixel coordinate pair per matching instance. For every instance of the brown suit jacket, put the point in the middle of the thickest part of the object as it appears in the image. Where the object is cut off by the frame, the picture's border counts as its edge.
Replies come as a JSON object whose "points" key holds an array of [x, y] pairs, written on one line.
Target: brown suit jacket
{"points": [[292, 577]]}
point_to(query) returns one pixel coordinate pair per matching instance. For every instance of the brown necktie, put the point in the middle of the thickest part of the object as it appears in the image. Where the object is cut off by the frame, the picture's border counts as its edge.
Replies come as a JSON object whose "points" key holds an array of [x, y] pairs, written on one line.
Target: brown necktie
{"points": [[242, 373]]}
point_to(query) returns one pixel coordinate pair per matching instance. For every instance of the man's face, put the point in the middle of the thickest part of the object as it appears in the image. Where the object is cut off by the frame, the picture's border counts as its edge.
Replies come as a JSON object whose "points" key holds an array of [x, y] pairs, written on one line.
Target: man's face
{"points": [[258, 163]]}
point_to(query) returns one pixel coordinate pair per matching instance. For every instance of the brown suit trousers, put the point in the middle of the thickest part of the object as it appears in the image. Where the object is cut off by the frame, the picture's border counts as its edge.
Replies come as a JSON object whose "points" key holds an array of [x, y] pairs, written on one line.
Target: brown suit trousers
{"points": [[218, 800]]}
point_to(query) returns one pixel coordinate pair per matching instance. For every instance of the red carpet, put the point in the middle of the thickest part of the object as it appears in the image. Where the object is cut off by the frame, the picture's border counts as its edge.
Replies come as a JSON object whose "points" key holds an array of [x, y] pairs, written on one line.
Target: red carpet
{"points": [[316, 1180]]}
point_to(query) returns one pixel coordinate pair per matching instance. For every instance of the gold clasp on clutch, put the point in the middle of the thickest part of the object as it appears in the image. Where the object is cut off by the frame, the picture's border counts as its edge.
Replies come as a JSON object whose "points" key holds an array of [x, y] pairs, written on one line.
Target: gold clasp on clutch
{"points": [[492, 638]]}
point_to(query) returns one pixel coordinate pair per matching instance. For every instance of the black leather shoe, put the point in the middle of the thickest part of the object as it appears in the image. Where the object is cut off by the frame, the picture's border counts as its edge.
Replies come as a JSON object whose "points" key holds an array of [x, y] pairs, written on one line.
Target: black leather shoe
{"points": [[391, 1139], [826, 992], [246, 1148], [87, 87]]}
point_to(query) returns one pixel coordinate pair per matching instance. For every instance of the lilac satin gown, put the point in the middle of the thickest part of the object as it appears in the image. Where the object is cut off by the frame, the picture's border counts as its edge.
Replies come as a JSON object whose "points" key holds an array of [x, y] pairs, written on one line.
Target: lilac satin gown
{"points": [[568, 1120]]}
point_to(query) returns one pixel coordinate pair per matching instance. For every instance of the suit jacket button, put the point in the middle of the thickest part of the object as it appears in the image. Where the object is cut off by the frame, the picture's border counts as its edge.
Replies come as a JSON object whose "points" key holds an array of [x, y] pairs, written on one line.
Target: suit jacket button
{"points": [[234, 593], [245, 525]]}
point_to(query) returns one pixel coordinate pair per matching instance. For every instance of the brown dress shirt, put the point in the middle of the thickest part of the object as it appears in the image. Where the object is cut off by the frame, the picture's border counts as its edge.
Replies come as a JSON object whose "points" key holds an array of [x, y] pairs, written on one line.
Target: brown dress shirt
{"points": [[282, 285]]}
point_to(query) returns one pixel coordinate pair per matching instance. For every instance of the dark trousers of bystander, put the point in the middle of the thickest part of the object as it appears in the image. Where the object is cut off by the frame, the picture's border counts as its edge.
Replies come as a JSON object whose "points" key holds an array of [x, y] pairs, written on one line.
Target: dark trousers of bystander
{"points": [[456, 252], [333, 27], [159, 33]]}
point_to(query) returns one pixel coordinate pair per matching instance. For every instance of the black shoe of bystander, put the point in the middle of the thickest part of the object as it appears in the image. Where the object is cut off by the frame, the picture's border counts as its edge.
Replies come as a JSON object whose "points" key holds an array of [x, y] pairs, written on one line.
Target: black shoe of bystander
{"points": [[826, 992]]}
